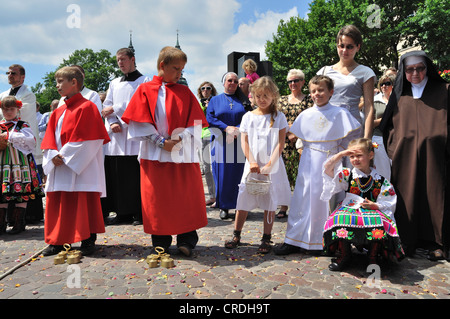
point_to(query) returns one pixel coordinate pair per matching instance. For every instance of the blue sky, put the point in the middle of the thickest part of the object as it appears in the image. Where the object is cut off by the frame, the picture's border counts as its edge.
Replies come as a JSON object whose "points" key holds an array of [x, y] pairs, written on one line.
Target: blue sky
{"points": [[209, 31]]}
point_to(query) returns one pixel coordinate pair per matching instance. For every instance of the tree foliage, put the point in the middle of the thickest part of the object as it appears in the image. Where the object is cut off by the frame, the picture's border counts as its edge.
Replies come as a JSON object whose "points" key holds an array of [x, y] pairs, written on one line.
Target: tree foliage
{"points": [[310, 43], [430, 29], [100, 68]]}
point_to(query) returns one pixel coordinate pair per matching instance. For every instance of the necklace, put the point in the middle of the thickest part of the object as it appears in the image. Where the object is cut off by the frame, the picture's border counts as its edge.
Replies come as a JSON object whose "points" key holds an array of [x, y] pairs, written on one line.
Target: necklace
{"points": [[231, 102], [366, 187]]}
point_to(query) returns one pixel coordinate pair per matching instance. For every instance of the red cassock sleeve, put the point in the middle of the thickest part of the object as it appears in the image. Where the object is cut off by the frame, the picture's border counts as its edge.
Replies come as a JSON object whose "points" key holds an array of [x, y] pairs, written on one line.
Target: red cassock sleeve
{"points": [[82, 122], [182, 108]]}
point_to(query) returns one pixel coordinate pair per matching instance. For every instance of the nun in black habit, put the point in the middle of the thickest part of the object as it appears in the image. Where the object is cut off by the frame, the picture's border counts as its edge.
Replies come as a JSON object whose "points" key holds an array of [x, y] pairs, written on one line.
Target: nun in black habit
{"points": [[415, 129]]}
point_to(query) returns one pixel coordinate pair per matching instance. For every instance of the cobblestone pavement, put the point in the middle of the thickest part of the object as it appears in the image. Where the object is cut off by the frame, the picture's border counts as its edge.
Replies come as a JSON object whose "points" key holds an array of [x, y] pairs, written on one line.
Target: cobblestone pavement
{"points": [[118, 271]]}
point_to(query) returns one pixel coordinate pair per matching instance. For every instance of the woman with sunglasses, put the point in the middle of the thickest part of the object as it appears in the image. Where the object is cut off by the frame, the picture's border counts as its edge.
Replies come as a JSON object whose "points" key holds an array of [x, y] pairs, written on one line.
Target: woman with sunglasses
{"points": [[351, 79], [292, 105], [224, 114], [205, 92], [381, 160], [416, 130]]}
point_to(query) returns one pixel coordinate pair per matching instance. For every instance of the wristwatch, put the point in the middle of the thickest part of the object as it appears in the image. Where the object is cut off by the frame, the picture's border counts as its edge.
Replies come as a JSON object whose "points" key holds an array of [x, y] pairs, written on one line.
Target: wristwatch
{"points": [[161, 143]]}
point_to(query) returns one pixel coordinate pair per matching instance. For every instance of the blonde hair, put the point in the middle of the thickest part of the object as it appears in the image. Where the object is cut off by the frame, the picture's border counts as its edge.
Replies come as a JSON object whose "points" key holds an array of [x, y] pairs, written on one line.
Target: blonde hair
{"points": [[365, 144], [250, 65], [69, 73], [169, 54], [266, 83], [384, 78]]}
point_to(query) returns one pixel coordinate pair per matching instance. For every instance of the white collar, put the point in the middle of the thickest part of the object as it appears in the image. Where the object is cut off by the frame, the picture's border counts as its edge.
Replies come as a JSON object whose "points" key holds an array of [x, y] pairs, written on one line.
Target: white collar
{"points": [[417, 89], [360, 174]]}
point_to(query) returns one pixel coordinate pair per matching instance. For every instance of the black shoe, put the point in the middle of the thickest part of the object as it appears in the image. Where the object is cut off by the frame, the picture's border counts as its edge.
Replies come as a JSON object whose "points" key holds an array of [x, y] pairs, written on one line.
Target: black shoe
{"points": [[185, 250], [286, 249], [224, 214], [88, 245], [52, 250], [338, 265]]}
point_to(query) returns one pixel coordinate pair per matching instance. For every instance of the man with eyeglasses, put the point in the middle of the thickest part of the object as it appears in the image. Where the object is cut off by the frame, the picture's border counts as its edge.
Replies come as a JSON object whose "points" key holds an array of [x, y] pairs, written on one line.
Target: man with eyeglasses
{"points": [[16, 78], [416, 134]]}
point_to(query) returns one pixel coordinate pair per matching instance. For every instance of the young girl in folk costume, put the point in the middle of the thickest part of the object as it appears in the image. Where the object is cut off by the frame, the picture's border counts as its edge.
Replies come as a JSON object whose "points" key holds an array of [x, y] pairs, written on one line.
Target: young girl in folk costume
{"points": [[263, 137], [365, 217], [20, 179]]}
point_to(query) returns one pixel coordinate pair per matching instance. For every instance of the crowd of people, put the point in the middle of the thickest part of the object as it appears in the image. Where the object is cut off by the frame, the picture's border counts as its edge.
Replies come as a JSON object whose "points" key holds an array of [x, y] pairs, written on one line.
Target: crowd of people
{"points": [[356, 163]]}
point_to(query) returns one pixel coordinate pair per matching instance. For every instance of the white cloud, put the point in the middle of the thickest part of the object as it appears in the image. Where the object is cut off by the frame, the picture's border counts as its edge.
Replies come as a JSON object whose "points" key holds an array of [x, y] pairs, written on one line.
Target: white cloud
{"points": [[206, 32], [252, 37]]}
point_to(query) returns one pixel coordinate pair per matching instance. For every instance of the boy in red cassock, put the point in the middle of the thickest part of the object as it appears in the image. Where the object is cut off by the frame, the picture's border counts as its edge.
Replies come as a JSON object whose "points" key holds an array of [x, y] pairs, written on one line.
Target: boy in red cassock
{"points": [[167, 119], [73, 163]]}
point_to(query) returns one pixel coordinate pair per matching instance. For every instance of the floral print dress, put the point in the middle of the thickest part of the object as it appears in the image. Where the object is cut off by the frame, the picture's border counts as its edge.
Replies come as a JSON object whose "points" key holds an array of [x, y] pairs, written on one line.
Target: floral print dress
{"points": [[291, 156], [357, 225]]}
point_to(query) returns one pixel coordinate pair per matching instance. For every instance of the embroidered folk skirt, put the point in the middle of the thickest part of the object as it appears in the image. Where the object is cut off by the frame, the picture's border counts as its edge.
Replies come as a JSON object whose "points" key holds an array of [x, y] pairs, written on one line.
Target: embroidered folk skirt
{"points": [[20, 178], [361, 227]]}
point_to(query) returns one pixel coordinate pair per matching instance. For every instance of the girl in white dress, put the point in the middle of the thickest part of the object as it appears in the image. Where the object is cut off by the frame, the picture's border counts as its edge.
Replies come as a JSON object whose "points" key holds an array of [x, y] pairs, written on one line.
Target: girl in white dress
{"points": [[263, 133]]}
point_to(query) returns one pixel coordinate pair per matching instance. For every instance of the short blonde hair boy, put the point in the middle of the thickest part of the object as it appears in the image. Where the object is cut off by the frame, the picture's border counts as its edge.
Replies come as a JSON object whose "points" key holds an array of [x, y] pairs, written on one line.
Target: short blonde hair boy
{"points": [[69, 73], [169, 54]]}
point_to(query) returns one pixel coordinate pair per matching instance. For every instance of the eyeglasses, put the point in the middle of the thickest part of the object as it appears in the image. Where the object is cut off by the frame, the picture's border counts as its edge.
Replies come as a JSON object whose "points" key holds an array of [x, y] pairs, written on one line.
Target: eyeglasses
{"points": [[11, 72], [294, 81], [232, 81], [348, 46], [206, 88], [419, 69], [385, 84]]}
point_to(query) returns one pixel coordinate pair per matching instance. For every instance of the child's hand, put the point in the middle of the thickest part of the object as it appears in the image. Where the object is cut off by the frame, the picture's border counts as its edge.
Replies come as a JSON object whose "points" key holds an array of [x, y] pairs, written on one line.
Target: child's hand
{"points": [[368, 204], [58, 160], [266, 169], [172, 145], [254, 168]]}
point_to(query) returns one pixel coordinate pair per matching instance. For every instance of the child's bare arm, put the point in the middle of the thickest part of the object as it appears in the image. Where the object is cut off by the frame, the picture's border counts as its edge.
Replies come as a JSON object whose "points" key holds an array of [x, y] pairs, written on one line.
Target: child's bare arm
{"points": [[331, 163], [254, 167]]}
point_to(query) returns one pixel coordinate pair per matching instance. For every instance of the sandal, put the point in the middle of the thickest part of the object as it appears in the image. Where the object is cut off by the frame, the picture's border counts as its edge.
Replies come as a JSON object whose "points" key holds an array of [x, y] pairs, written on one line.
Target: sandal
{"points": [[265, 246], [282, 214], [236, 241]]}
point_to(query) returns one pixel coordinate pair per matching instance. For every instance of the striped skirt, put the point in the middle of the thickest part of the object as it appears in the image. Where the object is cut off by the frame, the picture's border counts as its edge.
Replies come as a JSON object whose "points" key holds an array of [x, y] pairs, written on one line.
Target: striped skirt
{"points": [[361, 227]]}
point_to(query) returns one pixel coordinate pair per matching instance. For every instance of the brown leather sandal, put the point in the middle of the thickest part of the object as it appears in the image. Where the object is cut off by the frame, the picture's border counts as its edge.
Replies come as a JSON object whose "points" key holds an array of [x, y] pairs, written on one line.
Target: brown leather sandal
{"points": [[265, 246], [236, 241]]}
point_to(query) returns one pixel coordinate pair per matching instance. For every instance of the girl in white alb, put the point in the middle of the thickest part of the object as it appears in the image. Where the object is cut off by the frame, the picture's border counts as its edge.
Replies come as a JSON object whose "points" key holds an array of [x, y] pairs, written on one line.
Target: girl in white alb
{"points": [[263, 133]]}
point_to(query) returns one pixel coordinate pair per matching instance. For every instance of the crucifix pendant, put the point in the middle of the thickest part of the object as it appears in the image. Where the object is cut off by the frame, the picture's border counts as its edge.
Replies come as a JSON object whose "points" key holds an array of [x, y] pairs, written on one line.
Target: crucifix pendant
{"points": [[231, 106]]}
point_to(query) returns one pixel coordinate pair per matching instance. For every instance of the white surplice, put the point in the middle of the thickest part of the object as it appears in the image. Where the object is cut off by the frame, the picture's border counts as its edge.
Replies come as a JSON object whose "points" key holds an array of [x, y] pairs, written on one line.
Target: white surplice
{"points": [[187, 150], [83, 170], [118, 96], [324, 131]]}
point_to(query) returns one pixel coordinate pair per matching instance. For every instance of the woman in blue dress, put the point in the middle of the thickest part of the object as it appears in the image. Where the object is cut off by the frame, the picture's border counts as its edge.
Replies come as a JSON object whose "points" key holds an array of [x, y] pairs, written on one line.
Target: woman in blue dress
{"points": [[224, 115]]}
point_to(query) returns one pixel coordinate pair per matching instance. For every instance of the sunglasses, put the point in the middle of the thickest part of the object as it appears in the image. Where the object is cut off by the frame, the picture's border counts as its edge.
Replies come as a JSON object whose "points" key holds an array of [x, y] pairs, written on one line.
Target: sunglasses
{"points": [[232, 81], [10, 72], [348, 47], [206, 88], [294, 81], [419, 69], [386, 84]]}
